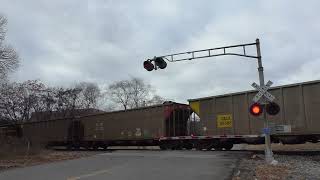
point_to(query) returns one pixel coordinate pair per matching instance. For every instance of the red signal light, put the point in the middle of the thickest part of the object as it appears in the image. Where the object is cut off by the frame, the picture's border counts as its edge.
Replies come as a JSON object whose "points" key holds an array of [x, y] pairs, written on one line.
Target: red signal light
{"points": [[256, 109], [148, 65]]}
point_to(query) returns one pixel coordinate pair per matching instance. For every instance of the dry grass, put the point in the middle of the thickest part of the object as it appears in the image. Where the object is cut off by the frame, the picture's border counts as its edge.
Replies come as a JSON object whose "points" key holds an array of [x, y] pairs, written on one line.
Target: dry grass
{"points": [[11, 147], [18, 153], [45, 156], [268, 172]]}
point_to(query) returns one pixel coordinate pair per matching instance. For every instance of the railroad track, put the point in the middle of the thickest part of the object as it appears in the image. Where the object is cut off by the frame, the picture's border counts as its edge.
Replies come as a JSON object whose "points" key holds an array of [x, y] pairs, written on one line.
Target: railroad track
{"points": [[279, 152]]}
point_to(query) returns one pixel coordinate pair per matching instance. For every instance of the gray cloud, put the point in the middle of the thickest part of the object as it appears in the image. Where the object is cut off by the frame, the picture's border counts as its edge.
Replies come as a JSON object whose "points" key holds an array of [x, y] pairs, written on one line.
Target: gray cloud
{"points": [[103, 41]]}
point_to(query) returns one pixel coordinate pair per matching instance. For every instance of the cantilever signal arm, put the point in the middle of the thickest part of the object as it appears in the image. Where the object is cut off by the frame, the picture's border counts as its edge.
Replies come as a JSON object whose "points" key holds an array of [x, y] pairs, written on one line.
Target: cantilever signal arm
{"points": [[210, 53]]}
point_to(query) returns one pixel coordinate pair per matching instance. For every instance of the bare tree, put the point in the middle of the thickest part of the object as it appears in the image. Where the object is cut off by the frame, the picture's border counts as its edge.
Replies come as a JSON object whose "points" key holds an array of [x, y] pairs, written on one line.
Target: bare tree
{"points": [[89, 95], [3, 79], [3, 23], [140, 92], [67, 100], [133, 93], [105, 102], [9, 59], [49, 99], [19, 100], [156, 99], [33, 100], [120, 92]]}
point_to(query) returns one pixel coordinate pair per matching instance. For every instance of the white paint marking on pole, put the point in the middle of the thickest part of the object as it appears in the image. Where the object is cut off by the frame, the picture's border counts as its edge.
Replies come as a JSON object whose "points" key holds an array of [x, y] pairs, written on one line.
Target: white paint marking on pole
{"points": [[263, 91]]}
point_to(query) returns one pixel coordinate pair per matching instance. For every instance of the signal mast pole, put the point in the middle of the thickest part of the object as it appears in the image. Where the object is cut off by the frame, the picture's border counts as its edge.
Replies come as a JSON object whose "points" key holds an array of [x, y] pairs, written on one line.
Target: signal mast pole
{"points": [[159, 61], [268, 152]]}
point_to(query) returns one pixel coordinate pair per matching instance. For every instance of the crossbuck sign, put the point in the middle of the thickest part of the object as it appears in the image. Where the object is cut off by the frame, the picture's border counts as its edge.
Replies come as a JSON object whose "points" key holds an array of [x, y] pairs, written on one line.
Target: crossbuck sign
{"points": [[263, 91]]}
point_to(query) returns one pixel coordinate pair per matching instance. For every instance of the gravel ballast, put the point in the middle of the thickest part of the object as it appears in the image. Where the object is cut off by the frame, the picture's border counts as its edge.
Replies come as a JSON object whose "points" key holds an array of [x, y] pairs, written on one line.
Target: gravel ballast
{"points": [[288, 167]]}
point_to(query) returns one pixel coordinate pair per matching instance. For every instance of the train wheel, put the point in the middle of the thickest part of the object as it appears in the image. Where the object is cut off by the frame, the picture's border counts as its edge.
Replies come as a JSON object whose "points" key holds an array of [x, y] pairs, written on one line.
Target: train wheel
{"points": [[199, 146], [76, 147], [69, 147], [217, 147], [228, 146], [47, 146], [88, 146], [175, 145], [188, 146], [204, 145], [163, 146], [95, 147], [292, 140]]}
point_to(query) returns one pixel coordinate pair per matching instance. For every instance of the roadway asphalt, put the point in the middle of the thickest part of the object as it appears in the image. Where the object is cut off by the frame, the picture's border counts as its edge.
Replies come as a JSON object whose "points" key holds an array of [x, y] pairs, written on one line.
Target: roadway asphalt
{"points": [[135, 165]]}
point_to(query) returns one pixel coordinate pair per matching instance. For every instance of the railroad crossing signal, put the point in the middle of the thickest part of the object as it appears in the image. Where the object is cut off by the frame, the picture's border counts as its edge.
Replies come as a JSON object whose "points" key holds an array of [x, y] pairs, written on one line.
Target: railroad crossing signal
{"points": [[212, 52], [256, 109], [158, 62], [263, 91]]}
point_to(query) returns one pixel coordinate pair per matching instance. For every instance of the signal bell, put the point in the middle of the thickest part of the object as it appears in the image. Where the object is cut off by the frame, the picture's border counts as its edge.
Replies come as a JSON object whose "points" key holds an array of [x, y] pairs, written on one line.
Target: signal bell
{"points": [[256, 109], [148, 65]]}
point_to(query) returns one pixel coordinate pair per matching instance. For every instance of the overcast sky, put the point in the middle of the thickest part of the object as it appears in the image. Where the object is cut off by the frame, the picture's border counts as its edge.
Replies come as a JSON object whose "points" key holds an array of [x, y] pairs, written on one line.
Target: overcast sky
{"points": [[65, 42]]}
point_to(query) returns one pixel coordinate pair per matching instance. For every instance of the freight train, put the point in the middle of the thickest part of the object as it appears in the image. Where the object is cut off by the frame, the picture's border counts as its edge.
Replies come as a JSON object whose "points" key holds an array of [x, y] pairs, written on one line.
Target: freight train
{"points": [[139, 127], [224, 121]]}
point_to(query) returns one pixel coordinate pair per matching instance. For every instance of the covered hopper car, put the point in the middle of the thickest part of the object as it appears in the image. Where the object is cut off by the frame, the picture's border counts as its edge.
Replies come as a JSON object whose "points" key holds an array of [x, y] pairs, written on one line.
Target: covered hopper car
{"points": [[225, 120], [139, 127]]}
